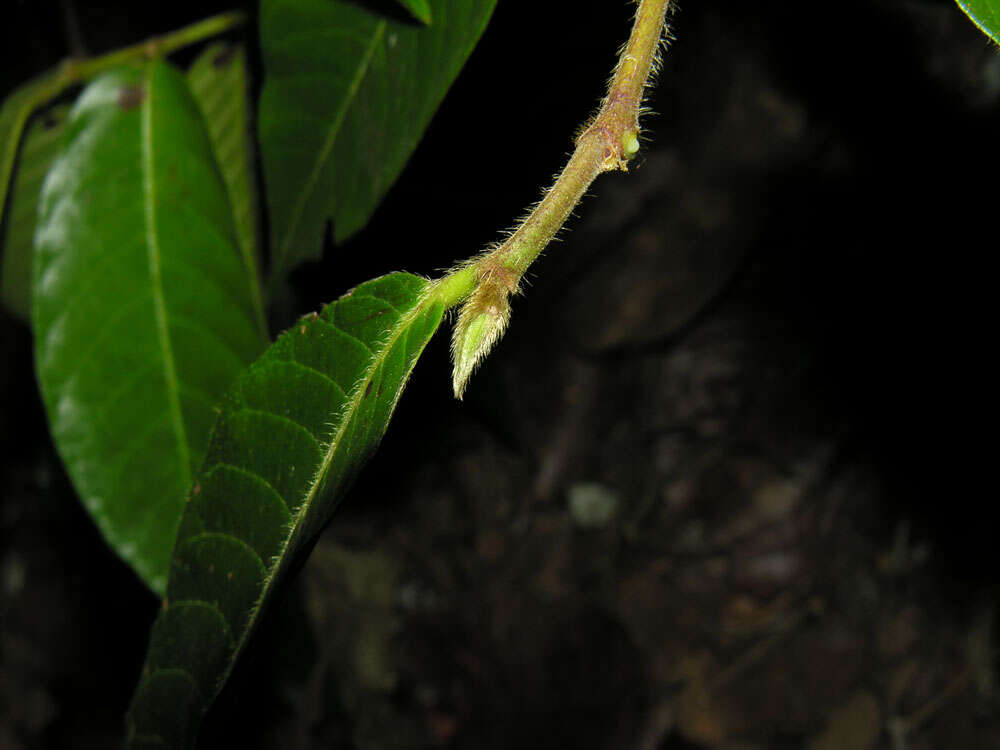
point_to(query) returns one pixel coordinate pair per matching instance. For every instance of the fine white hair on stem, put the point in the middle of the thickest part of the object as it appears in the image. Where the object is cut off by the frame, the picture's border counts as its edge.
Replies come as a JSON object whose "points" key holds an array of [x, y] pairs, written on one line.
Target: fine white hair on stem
{"points": [[608, 140]]}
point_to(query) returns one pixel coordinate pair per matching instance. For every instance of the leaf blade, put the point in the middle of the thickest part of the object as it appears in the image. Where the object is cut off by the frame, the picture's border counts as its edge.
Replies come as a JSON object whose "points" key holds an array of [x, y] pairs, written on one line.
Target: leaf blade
{"points": [[142, 312], [218, 80], [381, 80], [985, 14], [293, 432], [420, 9], [41, 144], [14, 113]]}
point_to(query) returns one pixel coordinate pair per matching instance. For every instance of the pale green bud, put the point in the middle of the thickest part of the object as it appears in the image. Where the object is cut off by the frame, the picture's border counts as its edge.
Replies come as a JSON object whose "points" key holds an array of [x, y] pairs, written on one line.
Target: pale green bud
{"points": [[630, 144], [481, 322]]}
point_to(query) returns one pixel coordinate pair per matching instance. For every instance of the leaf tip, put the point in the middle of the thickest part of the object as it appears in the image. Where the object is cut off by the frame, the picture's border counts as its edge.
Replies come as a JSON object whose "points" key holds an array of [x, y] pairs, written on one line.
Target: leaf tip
{"points": [[423, 13], [419, 9]]}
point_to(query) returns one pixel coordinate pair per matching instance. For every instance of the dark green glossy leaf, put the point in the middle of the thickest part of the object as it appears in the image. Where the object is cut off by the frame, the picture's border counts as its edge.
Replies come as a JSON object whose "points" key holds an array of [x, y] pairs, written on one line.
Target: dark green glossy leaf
{"points": [[420, 9], [218, 80], [293, 432], [143, 312], [348, 93], [985, 14], [38, 151]]}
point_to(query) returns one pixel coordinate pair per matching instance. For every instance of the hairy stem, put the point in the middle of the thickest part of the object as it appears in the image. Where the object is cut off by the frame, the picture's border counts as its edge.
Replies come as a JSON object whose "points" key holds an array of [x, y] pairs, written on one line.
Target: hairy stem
{"points": [[454, 288], [76, 70], [607, 142]]}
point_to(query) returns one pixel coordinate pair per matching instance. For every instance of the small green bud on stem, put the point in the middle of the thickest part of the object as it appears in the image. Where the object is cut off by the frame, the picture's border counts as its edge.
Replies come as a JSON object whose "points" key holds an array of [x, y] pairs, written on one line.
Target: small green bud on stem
{"points": [[481, 323], [630, 144]]}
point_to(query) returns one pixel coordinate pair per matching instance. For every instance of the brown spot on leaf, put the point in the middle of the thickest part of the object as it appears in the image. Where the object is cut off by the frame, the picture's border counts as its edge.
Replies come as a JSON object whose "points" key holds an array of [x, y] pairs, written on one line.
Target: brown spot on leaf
{"points": [[130, 97], [368, 388], [376, 314], [196, 490]]}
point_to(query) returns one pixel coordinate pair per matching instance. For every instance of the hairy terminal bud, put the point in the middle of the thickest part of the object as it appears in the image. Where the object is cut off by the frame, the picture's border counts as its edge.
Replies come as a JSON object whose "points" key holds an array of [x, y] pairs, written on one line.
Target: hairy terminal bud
{"points": [[481, 322]]}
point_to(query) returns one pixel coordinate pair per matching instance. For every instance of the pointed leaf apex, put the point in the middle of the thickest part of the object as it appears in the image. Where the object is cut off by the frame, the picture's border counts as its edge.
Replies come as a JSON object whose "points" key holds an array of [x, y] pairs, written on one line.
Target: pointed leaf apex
{"points": [[419, 9]]}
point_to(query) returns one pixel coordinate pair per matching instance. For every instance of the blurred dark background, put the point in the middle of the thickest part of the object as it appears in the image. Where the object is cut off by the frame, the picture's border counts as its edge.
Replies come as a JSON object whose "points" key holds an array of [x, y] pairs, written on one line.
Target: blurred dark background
{"points": [[726, 482]]}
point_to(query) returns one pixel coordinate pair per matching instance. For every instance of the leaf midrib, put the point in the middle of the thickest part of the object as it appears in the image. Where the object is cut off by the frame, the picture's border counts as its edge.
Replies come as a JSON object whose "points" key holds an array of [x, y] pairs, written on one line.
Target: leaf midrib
{"points": [[155, 275], [331, 138]]}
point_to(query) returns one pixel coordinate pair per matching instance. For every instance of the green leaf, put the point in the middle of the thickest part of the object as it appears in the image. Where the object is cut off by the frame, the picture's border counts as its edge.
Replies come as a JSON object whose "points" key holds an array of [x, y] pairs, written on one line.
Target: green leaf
{"points": [[14, 114], [218, 80], [143, 312], [38, 151], [420, 9], [347, 95], [985, 14], [292, 434]]}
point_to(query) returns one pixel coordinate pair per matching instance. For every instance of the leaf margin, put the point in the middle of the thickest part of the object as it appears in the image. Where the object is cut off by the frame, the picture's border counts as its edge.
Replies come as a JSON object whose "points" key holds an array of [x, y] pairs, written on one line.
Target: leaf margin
{"points": [[39, 147], [977, 11]]}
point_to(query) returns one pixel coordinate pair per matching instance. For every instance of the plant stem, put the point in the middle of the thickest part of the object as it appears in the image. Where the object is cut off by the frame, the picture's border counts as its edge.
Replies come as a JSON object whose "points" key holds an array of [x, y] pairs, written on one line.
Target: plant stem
{"points": [[483, 285], [606, 143], [76, 70], [71, 24], [455, 286]]}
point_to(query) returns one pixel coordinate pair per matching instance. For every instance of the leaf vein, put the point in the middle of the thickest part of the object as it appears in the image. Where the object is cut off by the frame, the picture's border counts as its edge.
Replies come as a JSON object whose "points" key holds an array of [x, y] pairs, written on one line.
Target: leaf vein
{"points": [[250, 473], [280, 417], [316, 371], [331, 138], [257, 478]]}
